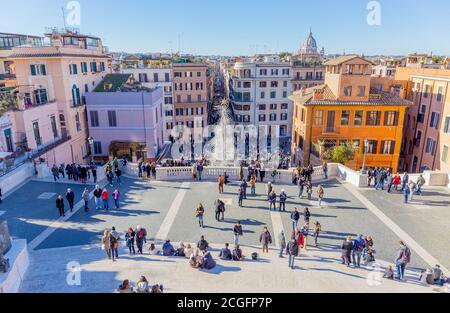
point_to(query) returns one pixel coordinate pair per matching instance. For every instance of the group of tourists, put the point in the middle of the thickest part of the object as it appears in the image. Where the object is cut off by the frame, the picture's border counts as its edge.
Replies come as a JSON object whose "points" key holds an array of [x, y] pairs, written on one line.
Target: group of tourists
{"points": [[147, 169], [76, 172], [197, 170], [355, 250], [101, 199], [382, 178], [133, 236]]}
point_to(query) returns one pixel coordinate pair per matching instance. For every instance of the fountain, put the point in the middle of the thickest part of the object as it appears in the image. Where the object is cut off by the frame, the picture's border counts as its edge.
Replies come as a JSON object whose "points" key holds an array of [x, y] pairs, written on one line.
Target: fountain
{"points": [[221, 148]]}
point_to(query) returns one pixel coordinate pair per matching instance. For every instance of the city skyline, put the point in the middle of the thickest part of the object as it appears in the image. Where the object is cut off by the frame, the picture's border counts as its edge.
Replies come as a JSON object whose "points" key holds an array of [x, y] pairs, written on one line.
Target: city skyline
{"points": [[236, 28]]}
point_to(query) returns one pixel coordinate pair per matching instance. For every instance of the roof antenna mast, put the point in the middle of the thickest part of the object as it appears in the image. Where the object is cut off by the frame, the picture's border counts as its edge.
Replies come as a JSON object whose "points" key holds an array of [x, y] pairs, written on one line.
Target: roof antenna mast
{"points": [[64, 18]]}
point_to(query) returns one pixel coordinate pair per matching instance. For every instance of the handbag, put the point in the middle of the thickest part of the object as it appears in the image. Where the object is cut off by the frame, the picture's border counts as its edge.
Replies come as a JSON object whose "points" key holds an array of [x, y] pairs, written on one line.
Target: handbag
{"points": [[103, 246]]}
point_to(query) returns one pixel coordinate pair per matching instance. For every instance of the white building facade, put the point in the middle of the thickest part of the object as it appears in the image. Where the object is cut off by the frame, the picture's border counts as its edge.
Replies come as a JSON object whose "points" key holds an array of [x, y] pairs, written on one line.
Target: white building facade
{"points": [[260, 91]]}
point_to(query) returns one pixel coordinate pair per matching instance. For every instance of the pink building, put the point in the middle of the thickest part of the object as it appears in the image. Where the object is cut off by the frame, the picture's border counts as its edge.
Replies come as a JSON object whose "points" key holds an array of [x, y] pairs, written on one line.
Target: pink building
{"points": [[125, 119], [51, 82]]}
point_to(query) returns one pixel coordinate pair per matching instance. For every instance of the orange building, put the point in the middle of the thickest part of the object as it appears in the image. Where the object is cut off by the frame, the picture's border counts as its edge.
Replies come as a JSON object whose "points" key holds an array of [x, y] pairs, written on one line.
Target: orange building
{"points": [[350, 107]]}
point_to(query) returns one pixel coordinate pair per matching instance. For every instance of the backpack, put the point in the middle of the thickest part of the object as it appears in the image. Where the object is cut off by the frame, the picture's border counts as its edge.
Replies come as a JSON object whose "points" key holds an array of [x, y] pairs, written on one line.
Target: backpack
{"points": [[305, 231]]}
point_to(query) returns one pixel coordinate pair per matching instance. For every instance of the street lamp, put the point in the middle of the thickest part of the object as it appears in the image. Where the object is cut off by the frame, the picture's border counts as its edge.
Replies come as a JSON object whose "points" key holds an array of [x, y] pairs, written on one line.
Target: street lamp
{"points": [[91, 144], [366, 145]]}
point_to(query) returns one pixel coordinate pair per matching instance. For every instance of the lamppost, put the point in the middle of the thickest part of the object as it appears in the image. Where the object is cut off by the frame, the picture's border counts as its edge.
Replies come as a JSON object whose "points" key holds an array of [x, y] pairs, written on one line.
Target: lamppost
{"points": [[91, 144], [366, 145]]}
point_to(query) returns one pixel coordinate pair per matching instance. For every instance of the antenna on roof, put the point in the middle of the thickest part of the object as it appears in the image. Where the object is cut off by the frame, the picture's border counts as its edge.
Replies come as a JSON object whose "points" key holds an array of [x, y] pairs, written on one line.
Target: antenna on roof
{"points": [[64, 18]]}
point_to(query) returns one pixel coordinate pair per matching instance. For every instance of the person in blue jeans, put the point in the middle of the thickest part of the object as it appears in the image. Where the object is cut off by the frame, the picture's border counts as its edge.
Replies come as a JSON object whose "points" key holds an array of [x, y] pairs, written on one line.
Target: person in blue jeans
{"points": [[406, 192], [295, 216], [403, 258]]}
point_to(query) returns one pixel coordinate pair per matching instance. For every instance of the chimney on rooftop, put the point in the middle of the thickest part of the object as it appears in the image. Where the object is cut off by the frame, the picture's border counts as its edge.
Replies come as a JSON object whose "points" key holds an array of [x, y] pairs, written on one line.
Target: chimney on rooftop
{"points": [[318, 94]]}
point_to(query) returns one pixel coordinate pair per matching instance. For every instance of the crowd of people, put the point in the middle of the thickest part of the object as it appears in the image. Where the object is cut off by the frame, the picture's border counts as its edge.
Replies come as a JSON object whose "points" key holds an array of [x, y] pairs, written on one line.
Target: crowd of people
{"points": [[382, 178], [76, 172]]}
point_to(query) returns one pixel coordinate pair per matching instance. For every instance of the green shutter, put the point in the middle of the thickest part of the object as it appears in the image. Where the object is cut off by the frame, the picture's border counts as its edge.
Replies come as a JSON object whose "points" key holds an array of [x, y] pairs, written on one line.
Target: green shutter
{"points": [[33, 70], [43, 72]]}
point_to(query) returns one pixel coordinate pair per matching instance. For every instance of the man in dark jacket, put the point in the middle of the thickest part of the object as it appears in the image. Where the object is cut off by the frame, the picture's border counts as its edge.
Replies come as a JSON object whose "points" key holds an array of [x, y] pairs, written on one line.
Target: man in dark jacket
{"points": [[202, 244], [292, 251], [347, 247], [70, 196], [97, 196], [60, 205], [225, 253], [295, 216]]}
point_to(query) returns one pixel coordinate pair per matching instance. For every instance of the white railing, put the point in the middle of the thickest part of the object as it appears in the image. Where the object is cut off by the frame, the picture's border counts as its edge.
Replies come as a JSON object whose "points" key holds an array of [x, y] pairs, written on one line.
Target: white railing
{"points": [[211, 173]]}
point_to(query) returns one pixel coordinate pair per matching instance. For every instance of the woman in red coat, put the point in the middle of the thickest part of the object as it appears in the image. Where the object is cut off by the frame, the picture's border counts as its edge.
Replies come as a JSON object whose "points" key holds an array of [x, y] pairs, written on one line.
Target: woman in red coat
{"points": [[301, 240], [396, 181]]}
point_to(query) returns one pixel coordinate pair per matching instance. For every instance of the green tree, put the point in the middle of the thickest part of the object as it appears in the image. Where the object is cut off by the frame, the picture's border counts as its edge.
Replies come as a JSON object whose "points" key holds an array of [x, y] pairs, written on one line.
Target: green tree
{"points": [[341, 154]]}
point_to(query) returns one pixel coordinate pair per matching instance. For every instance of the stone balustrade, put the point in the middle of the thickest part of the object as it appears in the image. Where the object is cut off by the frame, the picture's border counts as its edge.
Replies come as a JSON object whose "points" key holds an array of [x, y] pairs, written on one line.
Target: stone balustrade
{"points": [[210, 173]]}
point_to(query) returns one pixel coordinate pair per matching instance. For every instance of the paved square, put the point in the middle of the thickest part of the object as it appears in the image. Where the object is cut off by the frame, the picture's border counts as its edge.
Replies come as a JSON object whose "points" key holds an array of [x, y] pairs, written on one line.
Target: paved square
{"points": [[46, 195], [167, 211]]}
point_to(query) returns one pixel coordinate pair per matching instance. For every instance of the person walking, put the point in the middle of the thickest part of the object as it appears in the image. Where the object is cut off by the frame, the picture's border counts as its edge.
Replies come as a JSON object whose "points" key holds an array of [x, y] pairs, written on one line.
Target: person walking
{"points": [[110, 177], [320, 194], [405, 180], [55, 172], [116, 197], [241, 196], [403, 258], [347, 247], [217, 207], [281, 242], [390, 182], [325, 170], [265, 239], [283, 198], [396, 181], [273, 201], [118, 174], [244, 186], [295, 216], [115, 242], [269, 189], [105, 197], [309, 190], [199, 212], [130, 237], [97, 196], [106, 244], [85, 197], [301, 186], [304, 231], [200, 170], [253, 185], [262, 171], [220, 182], [317, 230], [94, 172], [406, 192], [292, 250], [141, 237], [237, 230], [358, 246], [420, 182], [70, 196], [306, 215], [60, 205]]}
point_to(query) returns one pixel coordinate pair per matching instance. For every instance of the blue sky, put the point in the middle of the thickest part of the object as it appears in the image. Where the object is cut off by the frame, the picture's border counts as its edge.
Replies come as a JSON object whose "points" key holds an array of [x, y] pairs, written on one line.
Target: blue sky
{"points": [[238, 27]]}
